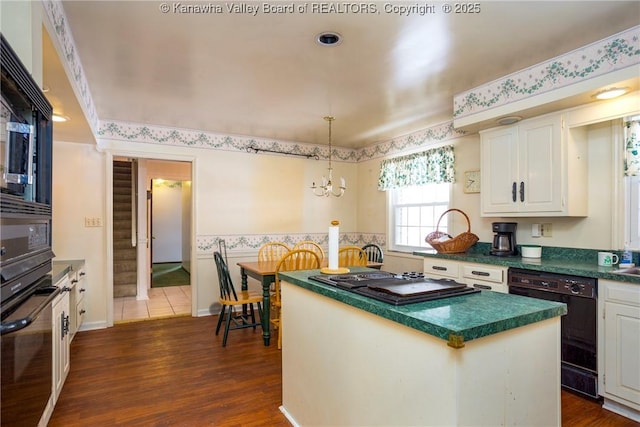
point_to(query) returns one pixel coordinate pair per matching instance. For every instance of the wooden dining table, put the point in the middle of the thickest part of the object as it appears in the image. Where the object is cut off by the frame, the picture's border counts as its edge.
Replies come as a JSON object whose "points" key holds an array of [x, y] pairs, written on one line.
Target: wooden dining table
{"points": [[265, 273]]}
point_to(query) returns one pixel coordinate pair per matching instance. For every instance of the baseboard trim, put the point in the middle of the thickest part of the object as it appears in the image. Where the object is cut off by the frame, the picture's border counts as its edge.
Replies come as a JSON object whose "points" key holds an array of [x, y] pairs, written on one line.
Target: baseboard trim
{"points": [[288, 416], [621, 409]]}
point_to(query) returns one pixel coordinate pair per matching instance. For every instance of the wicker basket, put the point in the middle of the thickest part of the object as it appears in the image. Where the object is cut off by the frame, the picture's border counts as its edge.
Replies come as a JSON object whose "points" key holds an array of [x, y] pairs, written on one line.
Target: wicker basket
{"points": [[453, 245]]}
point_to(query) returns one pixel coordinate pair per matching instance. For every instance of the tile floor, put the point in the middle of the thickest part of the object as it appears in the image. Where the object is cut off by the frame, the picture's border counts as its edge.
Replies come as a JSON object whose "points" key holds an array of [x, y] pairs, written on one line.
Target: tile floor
{"points": [[163, 302]]}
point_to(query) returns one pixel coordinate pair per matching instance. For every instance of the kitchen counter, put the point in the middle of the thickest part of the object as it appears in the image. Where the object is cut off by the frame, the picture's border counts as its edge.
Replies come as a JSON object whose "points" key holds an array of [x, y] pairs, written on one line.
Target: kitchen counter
{"points": [[457, 320], [577, 262], [351, 360], [59, 269]]}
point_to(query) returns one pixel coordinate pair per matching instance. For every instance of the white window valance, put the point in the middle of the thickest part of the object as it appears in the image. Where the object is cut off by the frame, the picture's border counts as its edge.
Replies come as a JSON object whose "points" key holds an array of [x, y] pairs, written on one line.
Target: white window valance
{"points": [[433, 166]]}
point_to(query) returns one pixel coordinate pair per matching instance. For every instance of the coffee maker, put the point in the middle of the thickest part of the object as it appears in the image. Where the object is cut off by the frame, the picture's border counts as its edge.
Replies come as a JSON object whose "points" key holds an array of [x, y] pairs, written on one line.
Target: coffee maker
{"points": [[504, 241]]}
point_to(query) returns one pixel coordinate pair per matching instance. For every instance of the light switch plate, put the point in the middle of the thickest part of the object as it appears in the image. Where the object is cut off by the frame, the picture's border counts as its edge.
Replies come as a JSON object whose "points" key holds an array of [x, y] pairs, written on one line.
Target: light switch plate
{"points": [[92, 221]]}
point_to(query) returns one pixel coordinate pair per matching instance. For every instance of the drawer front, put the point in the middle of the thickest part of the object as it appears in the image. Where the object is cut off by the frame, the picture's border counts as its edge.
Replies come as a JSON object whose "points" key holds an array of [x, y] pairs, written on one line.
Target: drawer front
{"points": [[486, 286], [80, 311], [441, 267], [484, 273], [624, 293], [79, 289]]}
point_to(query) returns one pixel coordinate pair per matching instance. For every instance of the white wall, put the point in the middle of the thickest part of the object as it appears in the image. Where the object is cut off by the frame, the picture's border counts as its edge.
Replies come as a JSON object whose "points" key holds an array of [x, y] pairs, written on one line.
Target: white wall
{"points": [[79, 192]]}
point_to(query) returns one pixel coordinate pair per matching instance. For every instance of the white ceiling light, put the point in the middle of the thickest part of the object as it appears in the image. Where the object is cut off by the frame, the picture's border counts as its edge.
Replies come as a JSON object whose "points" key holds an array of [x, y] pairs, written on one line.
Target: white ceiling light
{"points": [[509, 120], [59, 118], [326, 189], [611, 93]]}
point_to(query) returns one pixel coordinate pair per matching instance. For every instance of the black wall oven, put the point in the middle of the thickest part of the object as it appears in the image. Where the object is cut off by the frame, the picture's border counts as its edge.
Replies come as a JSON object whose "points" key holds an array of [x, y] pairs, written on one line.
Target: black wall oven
{"points": [[26, 345], [579, 363], [26, 292]]}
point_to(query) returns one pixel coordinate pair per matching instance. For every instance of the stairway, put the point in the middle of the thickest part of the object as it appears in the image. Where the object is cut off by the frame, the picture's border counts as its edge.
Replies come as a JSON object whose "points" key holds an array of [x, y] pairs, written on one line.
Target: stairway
{"points": [[125, 274]]}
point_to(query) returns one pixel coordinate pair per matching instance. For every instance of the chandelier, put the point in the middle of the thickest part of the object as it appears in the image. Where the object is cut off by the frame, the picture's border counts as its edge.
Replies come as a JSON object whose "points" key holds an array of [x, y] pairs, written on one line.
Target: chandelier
{"points": [[326, 189]]}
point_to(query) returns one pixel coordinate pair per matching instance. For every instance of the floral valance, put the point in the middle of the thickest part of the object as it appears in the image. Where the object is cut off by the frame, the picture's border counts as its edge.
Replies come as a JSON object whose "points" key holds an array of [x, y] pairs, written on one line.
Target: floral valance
{"points": [[632, 148], [433, 166]]}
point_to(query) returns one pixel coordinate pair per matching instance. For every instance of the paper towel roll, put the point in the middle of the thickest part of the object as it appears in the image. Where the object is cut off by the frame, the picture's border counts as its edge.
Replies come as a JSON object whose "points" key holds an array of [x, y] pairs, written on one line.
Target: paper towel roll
{"points": [[334, 237]]}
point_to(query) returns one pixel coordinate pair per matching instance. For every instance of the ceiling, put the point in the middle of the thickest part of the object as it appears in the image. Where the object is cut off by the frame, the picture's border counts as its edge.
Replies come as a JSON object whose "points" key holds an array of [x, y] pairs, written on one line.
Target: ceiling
{"points": [[266, 76]]}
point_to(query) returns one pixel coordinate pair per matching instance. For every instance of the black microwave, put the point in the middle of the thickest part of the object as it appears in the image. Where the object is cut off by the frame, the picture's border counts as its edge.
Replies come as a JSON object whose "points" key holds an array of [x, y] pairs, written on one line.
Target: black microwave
{"points": [[25, 133]]}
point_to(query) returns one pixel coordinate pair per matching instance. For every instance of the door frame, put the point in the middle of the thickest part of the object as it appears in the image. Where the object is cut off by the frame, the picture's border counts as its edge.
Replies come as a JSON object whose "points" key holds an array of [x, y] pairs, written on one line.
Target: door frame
{"points": [[109, 156]]}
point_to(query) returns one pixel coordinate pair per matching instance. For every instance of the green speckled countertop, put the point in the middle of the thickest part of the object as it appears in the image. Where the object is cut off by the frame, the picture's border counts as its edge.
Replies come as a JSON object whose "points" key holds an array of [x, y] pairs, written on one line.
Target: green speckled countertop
{"points": [[577, 262], [462, 318], [60, 268]]}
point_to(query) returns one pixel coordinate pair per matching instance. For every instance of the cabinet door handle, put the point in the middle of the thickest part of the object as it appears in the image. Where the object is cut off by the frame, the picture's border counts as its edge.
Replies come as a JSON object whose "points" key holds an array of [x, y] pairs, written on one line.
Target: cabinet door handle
{"points": [[82, 273], [522, 191], [64, 325], [74, 281], [480, 273], [478, 286], [437, 267], [83, 311], [514, 191], [82, 289]]}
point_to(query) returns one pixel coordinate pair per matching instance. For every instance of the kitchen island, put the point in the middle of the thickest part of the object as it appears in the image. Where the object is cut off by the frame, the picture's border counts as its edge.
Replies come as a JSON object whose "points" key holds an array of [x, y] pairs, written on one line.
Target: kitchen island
{"points": [[480, 359]]}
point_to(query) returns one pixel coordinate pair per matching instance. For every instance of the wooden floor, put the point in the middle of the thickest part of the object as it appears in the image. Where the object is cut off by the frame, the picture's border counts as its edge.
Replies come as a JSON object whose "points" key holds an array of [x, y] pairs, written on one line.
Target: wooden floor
{"points": [[174, 372]]}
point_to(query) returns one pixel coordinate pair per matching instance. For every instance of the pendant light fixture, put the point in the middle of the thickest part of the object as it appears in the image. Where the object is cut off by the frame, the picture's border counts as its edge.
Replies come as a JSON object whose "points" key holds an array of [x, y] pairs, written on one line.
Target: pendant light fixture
{"points": [[326, 189]]}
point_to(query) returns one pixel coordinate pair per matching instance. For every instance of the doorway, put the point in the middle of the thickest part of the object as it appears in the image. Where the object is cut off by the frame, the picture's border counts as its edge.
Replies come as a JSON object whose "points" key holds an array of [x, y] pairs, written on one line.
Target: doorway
{"points": [[169, 218], [172, 294]]}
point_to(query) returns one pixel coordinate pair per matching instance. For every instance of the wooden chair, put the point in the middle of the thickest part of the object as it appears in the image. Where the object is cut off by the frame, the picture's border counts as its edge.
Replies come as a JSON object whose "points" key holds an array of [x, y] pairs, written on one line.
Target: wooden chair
{"points": [[374, 252], [297, 259], [312, 246], [349, 256], [230, 299], [272, 251], [222, 248]]}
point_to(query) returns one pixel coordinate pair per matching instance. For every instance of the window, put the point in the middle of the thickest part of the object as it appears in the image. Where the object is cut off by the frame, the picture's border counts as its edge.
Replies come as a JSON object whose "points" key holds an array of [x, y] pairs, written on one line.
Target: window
{"points": [[414, 213], [419, 187], [632, 181], [632, 239]]}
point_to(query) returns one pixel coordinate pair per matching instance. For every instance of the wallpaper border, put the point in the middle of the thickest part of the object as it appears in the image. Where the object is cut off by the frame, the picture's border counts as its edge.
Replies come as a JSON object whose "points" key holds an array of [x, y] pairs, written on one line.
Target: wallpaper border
{"points": [[613, 53], [189, 138], [207, 244], [54, 10]]}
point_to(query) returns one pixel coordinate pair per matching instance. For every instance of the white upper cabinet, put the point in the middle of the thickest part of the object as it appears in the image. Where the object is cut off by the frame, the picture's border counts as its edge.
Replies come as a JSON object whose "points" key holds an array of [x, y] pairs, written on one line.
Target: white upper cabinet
{"points": [[528, 168]]}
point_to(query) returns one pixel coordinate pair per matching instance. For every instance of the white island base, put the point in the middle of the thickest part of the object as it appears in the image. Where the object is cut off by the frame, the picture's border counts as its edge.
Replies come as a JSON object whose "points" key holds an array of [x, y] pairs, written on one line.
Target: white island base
{"points": [[343, 366]]}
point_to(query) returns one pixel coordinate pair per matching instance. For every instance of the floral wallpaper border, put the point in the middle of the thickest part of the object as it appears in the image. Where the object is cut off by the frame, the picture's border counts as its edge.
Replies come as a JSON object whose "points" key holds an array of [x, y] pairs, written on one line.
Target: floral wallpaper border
{"points": [[153, 134], [613, 53], [58, 19], [207, 244]]}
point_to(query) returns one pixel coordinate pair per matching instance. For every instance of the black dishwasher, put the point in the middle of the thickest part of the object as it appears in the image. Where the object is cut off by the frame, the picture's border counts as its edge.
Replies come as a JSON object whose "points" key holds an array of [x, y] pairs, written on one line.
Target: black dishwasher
{"points": [[579, 369]]}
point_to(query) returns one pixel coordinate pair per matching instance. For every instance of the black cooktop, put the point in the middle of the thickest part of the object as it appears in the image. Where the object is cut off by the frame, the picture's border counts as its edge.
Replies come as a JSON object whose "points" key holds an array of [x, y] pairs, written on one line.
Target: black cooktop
{"points": [[396, 289]]}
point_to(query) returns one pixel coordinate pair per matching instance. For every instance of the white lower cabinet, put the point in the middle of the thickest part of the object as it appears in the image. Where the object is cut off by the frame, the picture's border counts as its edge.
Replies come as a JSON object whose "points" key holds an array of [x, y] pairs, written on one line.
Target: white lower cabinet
{"points": [[485, 277], [619, 346], [480, 276], [61, 338], [441, 268], [78, 288]]}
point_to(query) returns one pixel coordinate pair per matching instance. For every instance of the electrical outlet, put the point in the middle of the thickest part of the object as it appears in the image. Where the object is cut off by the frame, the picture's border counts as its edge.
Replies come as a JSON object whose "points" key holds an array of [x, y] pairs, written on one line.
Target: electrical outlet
{"points": [[535, 230], [546, 229]]}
